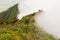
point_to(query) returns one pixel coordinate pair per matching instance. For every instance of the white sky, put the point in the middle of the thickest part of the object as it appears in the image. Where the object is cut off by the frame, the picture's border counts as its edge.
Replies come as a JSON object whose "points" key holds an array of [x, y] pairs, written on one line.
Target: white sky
{"points": [[4, 4]]}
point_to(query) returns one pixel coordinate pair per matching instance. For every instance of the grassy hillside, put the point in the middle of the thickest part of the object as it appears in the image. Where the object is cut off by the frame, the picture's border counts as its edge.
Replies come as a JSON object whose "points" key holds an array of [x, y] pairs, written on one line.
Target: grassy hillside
{"points": [[23, 29]]}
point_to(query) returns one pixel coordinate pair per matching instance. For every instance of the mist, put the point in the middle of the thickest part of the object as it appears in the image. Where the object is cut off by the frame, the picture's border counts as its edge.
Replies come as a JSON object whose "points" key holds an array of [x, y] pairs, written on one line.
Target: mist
{"points": [[49, 19]]}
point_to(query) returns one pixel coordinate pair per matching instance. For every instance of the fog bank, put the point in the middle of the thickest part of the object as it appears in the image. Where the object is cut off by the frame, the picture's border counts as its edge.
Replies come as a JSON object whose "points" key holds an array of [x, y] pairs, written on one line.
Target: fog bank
{"points": [[50, 18]]}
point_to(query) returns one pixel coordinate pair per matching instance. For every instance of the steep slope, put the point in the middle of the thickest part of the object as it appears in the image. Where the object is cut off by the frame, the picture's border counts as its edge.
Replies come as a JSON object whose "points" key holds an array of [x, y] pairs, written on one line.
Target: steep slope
{"points": [[10, 14], [25, 29]]}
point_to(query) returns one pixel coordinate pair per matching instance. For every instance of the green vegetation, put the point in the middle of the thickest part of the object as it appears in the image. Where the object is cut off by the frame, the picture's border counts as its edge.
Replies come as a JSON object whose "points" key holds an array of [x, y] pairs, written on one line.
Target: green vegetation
{"points": [[20, 30], [24, 29], [10, 14]]}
